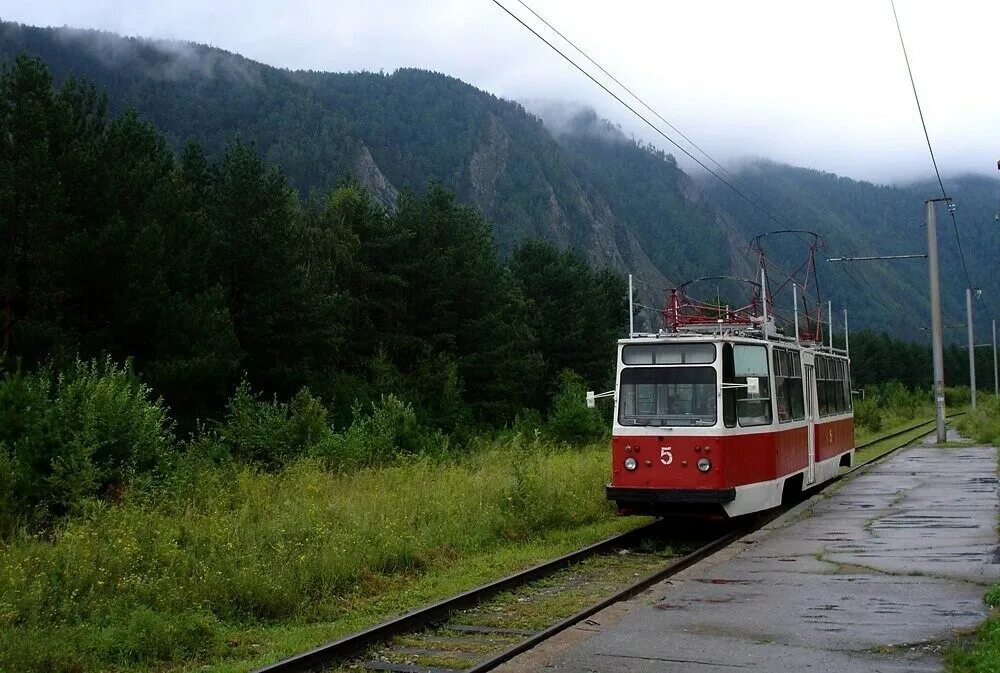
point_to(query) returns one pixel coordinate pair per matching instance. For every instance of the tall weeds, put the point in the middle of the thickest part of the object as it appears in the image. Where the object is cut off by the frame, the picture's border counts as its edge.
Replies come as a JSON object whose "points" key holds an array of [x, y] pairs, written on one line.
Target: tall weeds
{"points": [[983, 424], [211, 545]]}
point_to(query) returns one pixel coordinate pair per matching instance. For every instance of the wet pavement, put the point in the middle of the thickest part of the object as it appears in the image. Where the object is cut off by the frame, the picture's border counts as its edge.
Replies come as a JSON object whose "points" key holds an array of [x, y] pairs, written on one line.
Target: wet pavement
{"points": [[876, 574]]}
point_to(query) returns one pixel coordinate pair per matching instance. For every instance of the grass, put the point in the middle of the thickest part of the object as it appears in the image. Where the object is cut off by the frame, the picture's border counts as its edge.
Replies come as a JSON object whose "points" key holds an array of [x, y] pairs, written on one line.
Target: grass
{"points": [[894, 419], [981, 654], [897, 420], [534, 607], [226, 568], [983, 424], [894, 422]]}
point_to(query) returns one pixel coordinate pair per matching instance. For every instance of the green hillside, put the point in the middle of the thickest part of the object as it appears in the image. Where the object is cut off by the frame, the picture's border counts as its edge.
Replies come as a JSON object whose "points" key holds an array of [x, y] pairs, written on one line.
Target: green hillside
{"points": [[859, 218], [586, 187]]}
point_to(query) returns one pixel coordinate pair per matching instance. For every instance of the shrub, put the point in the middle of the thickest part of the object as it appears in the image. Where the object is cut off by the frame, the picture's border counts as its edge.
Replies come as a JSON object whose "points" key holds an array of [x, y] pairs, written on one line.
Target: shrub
{"points": [[957, 396], [273, 432], [527, 423], [868, 414], [899, 399], [440, 396], [80, 434], [389, 430], [983, 424], [570, 420]]}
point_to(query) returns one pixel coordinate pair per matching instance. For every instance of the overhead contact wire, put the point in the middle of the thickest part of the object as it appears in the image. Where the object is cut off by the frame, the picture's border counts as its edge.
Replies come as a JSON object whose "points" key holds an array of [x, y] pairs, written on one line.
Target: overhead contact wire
{"points": [[638, 114], [930, 150], [627, 90]]}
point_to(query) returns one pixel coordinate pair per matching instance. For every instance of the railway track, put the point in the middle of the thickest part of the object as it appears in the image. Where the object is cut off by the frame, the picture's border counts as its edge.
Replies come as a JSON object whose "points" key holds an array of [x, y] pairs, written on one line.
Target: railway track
{"points": [[479, 629]]}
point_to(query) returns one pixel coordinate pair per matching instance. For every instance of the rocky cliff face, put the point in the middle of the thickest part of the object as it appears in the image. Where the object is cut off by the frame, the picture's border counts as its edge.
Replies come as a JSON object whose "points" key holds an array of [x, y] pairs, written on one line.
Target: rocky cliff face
{"points": [[369, 174], [487, 164]]}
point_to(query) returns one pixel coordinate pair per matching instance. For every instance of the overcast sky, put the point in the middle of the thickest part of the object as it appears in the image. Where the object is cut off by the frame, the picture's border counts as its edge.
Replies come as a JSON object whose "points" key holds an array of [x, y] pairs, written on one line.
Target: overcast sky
{"points": [[820, 84]]}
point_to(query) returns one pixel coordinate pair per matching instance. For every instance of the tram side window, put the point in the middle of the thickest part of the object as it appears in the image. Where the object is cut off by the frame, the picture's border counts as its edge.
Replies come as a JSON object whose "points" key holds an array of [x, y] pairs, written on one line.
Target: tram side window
{"points": [[798, 402], [746, 366], [821, 399], [822, 388], [847, 388], [788, 385], [838, 385], [832, 386]]}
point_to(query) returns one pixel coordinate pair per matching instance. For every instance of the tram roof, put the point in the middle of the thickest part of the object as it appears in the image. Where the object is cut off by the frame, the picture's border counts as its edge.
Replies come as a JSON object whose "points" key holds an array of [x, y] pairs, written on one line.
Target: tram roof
{"points": [[732, 337]]}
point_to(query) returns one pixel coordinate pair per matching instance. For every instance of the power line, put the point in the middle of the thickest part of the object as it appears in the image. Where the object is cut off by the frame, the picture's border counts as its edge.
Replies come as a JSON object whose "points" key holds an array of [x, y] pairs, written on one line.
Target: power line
{"points": [[638, 114], [930, 150], [628, 90], [641, 101], [865, 289], [742, 194], [916, 97], [653, 286]]}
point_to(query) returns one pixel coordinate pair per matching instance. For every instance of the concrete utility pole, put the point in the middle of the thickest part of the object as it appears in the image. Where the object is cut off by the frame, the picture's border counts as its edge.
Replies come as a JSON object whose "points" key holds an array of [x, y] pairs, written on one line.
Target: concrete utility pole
{"points": [[631, 312], [936, 336], [972, 347], [847, 336], [996, 381], [829, 319]]}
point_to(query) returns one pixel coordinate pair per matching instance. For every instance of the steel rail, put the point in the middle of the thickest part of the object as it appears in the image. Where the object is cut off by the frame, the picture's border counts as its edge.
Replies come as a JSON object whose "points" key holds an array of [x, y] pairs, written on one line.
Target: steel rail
{"points": [[901, 432], [355, 644], [624, 594]]}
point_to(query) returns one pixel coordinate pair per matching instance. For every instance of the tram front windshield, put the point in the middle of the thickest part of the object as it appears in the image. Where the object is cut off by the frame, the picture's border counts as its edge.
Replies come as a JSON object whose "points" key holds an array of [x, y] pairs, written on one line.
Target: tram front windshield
{"points": [[667, 396]]}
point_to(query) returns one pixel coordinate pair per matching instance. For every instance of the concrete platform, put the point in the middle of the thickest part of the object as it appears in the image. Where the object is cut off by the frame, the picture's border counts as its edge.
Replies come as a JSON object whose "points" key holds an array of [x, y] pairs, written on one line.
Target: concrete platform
{"points": [[873, 575]]}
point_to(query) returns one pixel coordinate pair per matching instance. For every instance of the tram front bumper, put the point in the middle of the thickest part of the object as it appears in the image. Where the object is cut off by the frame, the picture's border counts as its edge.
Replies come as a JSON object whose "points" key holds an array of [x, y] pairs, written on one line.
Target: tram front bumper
{"points": [[670, 496]]}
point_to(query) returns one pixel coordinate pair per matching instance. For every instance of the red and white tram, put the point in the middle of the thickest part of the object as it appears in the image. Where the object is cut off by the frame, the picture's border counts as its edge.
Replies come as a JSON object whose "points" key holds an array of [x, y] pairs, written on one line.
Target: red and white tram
{"points": [[726, 423], [722, 413]]}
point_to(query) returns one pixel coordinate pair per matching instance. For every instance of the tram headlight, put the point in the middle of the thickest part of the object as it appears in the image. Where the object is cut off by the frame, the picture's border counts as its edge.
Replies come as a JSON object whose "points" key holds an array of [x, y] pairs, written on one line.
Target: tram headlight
{"points": [[631, 464], [704, 465]]}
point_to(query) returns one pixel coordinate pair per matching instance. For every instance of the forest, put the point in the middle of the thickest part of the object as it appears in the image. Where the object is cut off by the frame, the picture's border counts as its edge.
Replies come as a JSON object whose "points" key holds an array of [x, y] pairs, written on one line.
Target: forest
{"points": [[209, 279], [557, 173]]}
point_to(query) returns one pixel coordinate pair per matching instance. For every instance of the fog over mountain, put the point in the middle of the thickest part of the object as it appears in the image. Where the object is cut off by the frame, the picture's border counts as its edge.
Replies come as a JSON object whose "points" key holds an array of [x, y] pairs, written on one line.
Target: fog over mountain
{"points": [[807, 84]]}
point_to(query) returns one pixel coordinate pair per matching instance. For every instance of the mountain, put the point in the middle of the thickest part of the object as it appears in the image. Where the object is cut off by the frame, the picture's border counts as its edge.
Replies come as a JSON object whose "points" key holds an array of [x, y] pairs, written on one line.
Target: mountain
{"points": [[580, 183], [393, 132], [859, 218]]}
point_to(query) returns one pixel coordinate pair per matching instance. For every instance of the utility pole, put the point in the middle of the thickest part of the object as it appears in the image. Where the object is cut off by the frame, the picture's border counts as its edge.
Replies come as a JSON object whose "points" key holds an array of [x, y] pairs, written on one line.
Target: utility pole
{"points": [[996, 382], [763, 295], [795, 300], [829, 319], [972, 347], [934, 273], [936, 336], [631, 312], [847, 336]]}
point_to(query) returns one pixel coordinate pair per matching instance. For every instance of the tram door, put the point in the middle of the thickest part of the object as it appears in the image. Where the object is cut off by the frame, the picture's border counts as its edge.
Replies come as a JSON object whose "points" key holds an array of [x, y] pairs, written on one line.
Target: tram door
{"points": [[810, 386]]}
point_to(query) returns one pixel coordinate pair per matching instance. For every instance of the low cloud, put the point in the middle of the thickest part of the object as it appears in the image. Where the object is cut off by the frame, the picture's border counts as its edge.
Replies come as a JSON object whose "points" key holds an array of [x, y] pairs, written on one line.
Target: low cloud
{"points": [[165, 60], [569, 118]]}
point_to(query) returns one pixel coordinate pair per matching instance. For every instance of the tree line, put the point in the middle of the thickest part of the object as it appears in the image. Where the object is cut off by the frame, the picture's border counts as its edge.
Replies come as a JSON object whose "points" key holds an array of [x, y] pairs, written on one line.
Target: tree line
{"points": [[877, 358], [207, 272]]}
